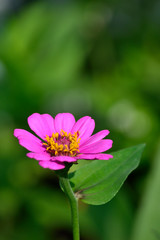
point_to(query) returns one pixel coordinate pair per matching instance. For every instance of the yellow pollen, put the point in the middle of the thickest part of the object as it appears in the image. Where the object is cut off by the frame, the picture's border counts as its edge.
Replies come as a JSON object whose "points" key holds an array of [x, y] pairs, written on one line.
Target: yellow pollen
{"points": [[63, 144]]}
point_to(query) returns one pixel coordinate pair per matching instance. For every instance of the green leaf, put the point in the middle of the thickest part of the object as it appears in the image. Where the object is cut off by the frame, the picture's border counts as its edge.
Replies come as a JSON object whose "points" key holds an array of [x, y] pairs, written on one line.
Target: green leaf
{"points": [[97, 182]]}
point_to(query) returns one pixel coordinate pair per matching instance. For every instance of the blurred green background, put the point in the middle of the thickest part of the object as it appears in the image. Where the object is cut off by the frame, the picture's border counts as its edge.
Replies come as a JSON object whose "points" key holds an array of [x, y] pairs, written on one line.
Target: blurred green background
{"points": [[96, 58]]}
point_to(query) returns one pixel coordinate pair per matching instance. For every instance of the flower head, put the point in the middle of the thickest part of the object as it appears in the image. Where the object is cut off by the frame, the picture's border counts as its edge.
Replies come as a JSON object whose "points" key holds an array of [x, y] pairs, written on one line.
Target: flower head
{"points": [[62, 139]]}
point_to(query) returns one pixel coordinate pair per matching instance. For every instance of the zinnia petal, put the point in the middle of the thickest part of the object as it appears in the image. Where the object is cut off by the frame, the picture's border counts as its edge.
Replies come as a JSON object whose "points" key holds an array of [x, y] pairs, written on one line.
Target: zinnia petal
{"points": [[52, 165], [97, 147], [39, 156], [86, 127], [95, 138], [41, 124], [64, 158], [64, 121], [28, 140], [100, 156]]}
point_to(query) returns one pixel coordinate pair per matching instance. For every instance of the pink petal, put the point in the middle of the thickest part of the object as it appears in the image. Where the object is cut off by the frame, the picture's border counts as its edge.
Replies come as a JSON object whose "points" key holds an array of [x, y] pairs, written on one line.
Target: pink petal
{"points": [[46, 157], [86, 127], [39, 156], [97, 147], [64, 159], [41, 124], [95, 138], [64, 121], [52, 165], [101, 156], [28, 140]]}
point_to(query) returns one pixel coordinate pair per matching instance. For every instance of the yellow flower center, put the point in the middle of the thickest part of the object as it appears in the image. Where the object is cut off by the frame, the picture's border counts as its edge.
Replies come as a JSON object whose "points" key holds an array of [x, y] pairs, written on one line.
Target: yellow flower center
{"points": [[63, 144]]}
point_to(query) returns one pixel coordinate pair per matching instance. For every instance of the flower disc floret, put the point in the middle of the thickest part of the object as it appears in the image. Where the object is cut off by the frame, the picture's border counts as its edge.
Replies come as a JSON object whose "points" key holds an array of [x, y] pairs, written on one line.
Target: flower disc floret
{"points": [[63, 144]]}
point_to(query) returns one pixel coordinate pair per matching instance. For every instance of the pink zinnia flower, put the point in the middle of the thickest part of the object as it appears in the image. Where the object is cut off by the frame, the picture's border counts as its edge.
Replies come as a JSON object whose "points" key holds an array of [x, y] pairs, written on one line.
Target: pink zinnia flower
{"points": [[63, 140]]}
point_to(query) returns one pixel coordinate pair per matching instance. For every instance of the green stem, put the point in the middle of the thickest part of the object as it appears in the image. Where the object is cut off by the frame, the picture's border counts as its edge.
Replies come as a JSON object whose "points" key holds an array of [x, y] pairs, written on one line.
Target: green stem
{"points": [[73, 204]]}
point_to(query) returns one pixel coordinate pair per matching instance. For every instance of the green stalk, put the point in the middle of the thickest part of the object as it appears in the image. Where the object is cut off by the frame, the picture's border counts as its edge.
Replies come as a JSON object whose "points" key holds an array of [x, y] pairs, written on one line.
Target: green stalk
{"points": [[73, 203]]}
